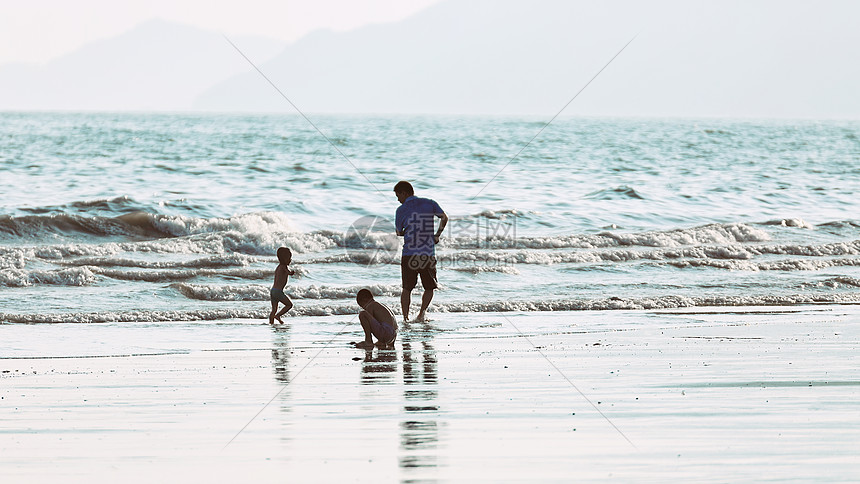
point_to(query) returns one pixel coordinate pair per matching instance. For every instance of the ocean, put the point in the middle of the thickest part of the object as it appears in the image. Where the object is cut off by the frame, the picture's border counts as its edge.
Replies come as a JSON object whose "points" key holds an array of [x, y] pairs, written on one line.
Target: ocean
{"points": [[174, 217]]}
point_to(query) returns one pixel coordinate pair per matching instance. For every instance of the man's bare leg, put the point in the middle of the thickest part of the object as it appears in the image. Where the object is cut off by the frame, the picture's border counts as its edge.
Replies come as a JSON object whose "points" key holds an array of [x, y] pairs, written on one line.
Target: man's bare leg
{"points": [[425, 303], [405, 301]]}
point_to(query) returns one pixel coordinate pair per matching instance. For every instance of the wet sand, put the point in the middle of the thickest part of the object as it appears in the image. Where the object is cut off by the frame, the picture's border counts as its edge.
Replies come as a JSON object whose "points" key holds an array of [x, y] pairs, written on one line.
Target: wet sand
{"points": [[705, 395]]}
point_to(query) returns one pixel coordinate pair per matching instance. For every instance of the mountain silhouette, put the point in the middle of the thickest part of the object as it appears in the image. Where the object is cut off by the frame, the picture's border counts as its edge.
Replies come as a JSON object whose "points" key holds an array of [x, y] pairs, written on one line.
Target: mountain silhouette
{"points": [[786, 58], [730, 58], [156, 66]]}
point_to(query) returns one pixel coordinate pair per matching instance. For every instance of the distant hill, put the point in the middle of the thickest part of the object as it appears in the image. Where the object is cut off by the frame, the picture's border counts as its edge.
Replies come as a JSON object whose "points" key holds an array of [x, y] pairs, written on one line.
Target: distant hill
{"points": [[156, 66], [736, 58], [460, 56]]}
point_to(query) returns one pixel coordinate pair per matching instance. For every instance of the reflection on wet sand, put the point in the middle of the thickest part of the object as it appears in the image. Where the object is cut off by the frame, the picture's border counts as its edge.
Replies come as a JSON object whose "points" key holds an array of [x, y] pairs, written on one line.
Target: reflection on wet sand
{"points": [[380, 369], [420, 429], [281, 355], [281, 367]]}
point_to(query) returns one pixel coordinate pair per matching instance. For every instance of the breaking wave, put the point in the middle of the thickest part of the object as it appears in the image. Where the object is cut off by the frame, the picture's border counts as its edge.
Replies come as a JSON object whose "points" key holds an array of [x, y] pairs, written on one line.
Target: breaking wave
{"points": [[603, 304], [77, 276], [211, 292]]}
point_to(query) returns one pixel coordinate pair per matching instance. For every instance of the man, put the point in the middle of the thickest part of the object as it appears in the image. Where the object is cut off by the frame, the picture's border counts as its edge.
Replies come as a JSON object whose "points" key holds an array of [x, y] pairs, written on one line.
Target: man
{"points": [[414, 221]]}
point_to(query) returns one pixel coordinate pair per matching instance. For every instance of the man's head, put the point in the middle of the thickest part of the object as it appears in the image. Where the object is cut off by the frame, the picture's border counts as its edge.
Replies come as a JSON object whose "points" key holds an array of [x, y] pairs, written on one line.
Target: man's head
{"points": [[363, 297], [403, 190], [285, 256]]}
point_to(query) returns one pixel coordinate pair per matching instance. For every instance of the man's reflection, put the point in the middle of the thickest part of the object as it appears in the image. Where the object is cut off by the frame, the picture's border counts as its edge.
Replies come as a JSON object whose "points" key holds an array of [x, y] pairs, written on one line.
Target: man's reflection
{"points": [[419, 431]]}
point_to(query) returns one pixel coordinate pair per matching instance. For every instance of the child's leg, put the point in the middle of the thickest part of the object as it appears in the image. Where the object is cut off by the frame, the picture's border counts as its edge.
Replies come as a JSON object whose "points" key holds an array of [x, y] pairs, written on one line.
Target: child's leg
{"points": [[287, 306], [274, 310], [364, 319]]}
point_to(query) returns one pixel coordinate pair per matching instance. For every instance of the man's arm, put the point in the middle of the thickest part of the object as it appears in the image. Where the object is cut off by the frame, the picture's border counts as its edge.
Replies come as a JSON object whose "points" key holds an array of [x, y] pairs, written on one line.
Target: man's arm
{"points": [[442, 225], [398, 223]]}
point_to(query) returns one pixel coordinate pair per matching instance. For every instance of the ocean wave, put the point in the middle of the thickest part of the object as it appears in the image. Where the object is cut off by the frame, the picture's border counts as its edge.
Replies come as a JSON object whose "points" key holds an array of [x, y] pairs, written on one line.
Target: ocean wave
{"points": [[13, 258], [658, 302], [262, 233], [84, 275], [171, 275], [781, 265], [231, 260], [719, 234], [723, 234], [836, 282], [76, 276], [501, 214], [211, 292], [791, 222], [602, 304], [34, 226], [730, 252], [843, 228], [215, 244], [116, 205], [464, 260], [181, 225], [480, 269], [135, 316], [251, 232], [618, 193]]}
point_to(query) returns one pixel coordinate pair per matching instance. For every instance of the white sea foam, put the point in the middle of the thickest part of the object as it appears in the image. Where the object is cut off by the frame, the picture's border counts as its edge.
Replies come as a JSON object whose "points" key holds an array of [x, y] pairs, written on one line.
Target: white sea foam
{"points": [[781, 265], [75, 276], [479, 269], [791, 222], [261, 222], [701, 255], [255, 292], [838, 282], [709, 234], [14, 258], [644, 303], [603, 304], [170, 275], [230, 260]]}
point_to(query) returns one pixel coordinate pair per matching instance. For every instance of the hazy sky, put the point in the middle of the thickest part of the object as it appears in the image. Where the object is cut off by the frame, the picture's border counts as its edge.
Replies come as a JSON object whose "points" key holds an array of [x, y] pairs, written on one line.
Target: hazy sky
{"points": [[39, 30], [728, 58]]}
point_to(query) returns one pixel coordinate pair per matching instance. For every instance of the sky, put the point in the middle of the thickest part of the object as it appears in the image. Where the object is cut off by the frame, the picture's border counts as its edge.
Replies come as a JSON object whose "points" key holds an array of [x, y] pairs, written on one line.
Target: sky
{"points": [[37, 31], [710, 58]]}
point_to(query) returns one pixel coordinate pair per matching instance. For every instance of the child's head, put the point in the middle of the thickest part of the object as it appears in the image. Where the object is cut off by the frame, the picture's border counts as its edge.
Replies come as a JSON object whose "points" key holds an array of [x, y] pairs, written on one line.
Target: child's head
{"points": [[363, 297], [285, 256]]}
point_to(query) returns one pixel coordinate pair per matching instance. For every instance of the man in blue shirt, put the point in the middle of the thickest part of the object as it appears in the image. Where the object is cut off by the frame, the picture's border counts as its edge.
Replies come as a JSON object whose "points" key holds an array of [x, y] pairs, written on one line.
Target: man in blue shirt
{"points": [[415, 220]]}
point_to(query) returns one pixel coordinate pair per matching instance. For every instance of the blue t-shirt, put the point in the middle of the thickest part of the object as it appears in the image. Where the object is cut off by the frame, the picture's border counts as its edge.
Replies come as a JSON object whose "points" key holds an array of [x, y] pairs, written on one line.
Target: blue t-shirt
{"points": [[415, 219]]}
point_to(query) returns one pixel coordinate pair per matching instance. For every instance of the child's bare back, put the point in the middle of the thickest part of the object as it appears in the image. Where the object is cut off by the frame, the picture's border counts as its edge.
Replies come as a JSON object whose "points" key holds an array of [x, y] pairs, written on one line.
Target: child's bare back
{"points": [[376, 320]]}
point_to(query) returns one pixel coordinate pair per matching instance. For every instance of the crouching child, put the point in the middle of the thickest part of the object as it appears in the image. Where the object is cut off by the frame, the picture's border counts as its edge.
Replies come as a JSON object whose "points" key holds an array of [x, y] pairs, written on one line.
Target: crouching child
{"points": [[377, 320]]}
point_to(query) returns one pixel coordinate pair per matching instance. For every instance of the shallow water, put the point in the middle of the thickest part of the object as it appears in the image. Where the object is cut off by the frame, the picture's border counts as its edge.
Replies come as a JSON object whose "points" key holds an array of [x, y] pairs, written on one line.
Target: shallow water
{"points": [[124, 217], [736, 394]]}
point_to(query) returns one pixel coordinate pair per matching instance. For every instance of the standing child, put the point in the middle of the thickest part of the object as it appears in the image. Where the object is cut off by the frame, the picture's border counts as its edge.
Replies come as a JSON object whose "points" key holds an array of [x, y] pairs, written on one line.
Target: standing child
{"points": [[376, 319], [277, 292]]}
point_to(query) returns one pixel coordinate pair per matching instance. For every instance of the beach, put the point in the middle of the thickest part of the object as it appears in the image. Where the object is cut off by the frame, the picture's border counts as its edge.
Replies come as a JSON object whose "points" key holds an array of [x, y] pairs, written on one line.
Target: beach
{"points": [[743, 394], [637, 300]]}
